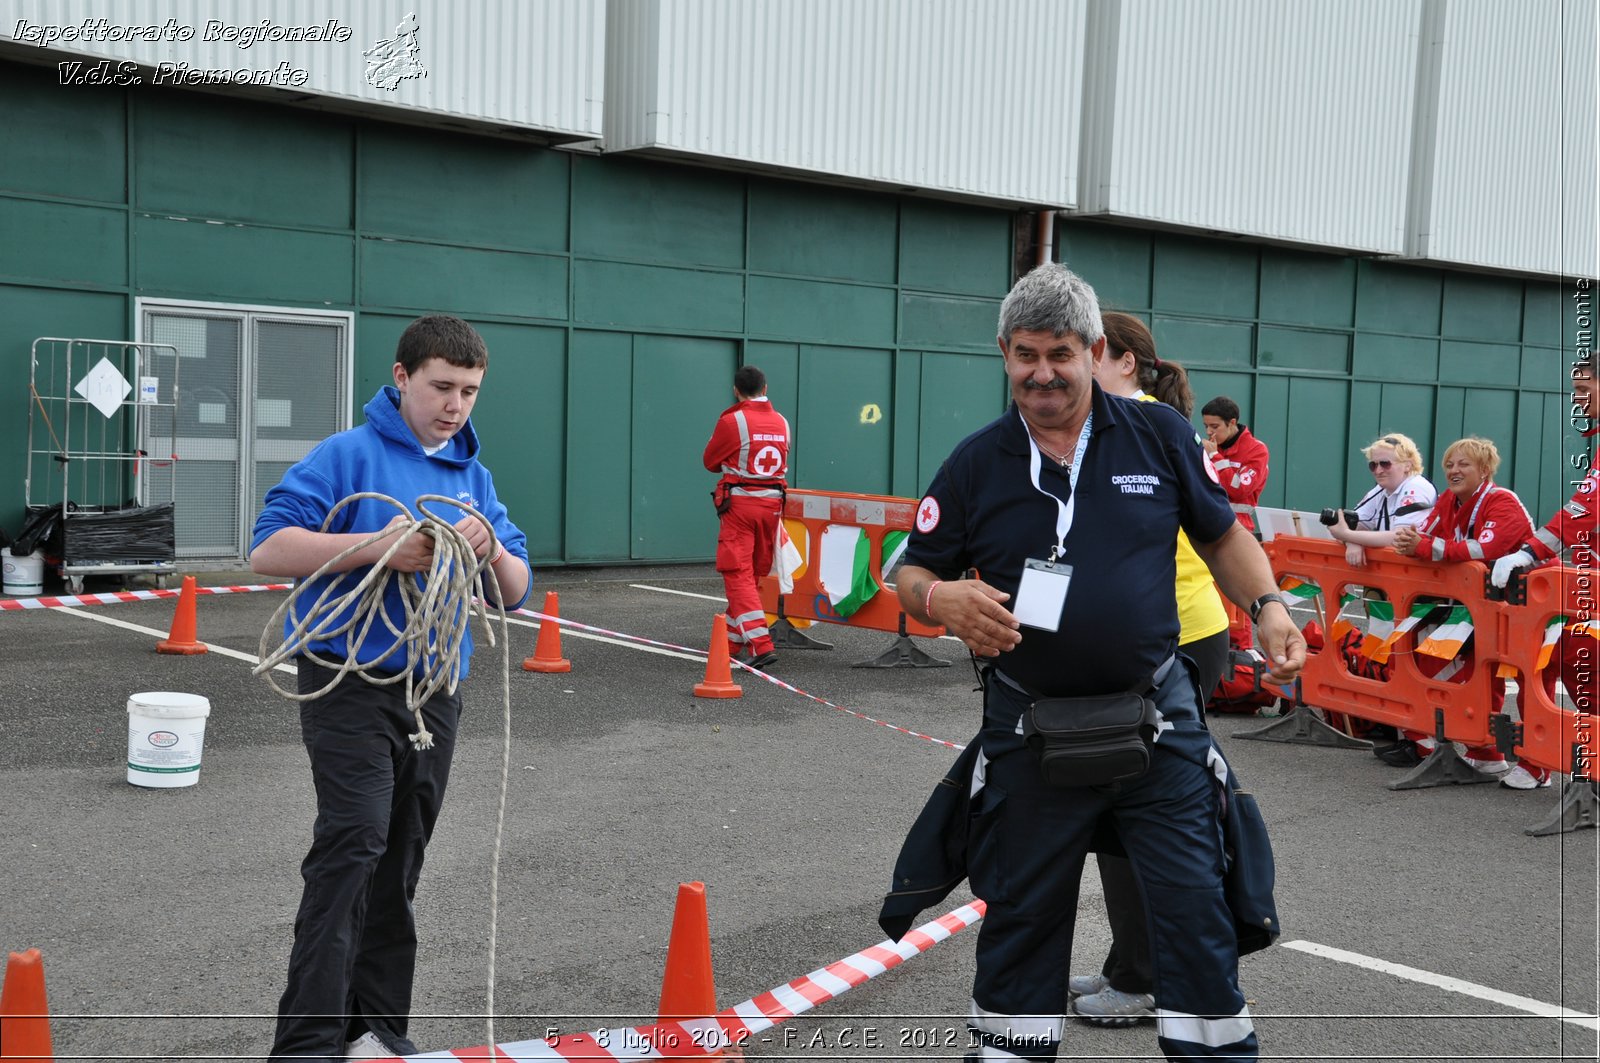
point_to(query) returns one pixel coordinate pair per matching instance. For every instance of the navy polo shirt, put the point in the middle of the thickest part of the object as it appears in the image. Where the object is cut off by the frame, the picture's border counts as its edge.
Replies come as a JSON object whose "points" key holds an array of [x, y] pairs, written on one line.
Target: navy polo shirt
{"points": [[1144, 474]]}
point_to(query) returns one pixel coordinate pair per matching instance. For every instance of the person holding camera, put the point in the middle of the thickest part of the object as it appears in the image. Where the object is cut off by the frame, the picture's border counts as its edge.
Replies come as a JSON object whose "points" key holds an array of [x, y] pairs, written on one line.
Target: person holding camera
{"points": [[1401, 497]]}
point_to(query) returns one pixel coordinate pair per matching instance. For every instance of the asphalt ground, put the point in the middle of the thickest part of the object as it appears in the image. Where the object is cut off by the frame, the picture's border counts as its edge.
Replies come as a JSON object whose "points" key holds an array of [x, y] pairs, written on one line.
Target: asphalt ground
{"points": [[165, 916]]}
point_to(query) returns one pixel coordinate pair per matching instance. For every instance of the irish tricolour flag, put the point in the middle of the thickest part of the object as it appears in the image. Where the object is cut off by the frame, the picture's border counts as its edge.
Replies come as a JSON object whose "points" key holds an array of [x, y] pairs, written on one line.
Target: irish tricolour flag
{"points": [[1448, 638]]}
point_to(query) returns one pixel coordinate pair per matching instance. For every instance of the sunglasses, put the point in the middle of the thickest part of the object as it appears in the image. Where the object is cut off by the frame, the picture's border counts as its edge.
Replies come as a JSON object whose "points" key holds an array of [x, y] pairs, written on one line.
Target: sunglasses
{"points": [[1374, 466]]}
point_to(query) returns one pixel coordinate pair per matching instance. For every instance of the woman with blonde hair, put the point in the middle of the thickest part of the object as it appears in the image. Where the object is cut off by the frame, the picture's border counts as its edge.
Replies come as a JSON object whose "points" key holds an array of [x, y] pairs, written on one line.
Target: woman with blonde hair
{"points": [[1401, 496], [1475, 520]]}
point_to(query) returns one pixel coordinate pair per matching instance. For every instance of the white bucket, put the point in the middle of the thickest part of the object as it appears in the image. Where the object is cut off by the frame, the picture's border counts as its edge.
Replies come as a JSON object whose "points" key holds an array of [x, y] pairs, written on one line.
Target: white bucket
{"points": [[24, 575], [165, 733]]}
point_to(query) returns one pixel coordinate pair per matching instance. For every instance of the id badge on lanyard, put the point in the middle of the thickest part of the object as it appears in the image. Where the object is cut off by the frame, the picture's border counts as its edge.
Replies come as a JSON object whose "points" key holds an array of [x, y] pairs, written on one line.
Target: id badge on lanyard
{"points": [[1042, 592]]}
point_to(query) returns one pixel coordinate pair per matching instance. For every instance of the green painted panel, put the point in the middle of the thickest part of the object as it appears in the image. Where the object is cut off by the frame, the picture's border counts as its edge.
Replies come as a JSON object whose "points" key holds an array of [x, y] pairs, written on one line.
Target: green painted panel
{"points": [[960, 394], [676, 400], [462, 280], [1321, 352], [62, 242], [1204, 277], [1207, 384], [1545, 368], [1394, 298], [61, 142], [1449, 425], [1492, 415], [1524, 471], [25, 315], [599, 473], [650, 212], [819, 311], [1269, 417], [204, 156], [818, 231], [1395, 357], [1302, 474], [376, 337], [847, 445], [948, 321], [781, 363], [946, 247], [906, 435], [1366, 424], [1116, 262], [1408, 408], [1204, 342], [521, 418], [238, 263], [1544, 314], [646, 297], [1479, 363], [1307, 289], [462, 190], [1482, 308]]}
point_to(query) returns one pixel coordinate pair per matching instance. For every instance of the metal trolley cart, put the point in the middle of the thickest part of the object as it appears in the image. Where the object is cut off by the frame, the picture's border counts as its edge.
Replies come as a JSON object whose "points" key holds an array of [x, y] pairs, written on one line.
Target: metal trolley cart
{"points": [[102, 416]]}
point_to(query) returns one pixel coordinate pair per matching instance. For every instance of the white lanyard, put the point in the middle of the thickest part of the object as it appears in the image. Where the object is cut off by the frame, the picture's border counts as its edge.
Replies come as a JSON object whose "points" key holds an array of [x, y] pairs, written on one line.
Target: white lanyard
{"points": [[1064, 510], [1472, 521]]}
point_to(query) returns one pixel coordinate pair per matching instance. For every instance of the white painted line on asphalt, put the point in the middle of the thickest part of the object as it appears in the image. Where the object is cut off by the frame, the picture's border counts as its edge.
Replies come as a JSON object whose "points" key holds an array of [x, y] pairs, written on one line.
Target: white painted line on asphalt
{"points": [[1454, 985], [716, 598], [669, 590], [101, 618], [567, 632]]}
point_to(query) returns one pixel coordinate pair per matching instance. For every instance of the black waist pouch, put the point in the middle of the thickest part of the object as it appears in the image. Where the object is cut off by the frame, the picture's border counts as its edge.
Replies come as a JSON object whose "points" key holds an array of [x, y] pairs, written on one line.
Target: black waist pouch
{"points": [[722, 498], [1092, 741]]}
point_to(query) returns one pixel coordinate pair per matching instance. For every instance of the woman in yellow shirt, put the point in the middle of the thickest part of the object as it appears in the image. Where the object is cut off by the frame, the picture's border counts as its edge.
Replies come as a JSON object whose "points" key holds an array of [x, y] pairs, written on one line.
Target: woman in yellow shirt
{"points": [[1121, 994]]}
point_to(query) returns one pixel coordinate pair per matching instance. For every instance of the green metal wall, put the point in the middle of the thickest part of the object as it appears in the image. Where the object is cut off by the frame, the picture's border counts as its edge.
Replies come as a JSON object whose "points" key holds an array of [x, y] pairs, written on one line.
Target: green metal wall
{"points": [[1324, 353], [618, 295]]}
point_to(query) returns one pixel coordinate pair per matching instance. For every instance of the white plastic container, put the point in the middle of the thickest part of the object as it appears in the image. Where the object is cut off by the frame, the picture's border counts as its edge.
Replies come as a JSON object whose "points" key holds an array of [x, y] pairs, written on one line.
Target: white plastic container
{"points": [[166, 731], [24, 575]]}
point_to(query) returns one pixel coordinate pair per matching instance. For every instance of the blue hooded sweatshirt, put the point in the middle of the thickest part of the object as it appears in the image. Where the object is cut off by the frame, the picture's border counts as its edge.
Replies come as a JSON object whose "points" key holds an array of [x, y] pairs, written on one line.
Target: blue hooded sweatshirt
{"points": [[382, 455]]}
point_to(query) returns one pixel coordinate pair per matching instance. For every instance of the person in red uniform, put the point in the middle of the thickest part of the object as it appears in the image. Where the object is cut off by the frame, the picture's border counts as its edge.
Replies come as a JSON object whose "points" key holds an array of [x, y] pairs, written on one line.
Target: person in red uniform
{"points": [[1239, 458], [1576, 525], [1475, 520], [750, 448]]}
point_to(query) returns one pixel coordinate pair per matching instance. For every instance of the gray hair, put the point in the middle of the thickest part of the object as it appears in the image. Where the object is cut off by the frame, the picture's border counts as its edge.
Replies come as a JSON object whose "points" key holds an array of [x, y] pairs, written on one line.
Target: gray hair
{"points": [[1053, 299]]}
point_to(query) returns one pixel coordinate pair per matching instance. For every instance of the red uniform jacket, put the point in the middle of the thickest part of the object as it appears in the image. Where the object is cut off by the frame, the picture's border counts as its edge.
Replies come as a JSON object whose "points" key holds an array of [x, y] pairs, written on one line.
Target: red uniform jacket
{"points": [[750, 448], [1490, 524], [1241, 465], [1576, 524]]}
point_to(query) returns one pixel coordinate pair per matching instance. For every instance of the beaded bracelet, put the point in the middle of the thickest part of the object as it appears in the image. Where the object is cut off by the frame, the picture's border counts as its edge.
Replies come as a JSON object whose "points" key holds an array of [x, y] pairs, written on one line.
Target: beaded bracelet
{"points": [[927, 602]]}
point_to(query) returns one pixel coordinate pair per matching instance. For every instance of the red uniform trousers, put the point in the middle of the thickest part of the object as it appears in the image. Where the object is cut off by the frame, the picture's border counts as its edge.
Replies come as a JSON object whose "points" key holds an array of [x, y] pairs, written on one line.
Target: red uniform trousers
{"points": [[745, 544]]}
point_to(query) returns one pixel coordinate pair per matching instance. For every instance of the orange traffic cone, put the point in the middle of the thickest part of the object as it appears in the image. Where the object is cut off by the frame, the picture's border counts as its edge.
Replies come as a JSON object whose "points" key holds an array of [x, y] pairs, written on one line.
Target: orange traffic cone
{"points": [[687, 989], [547, 651], [24, 1012], [719, 676], [181, 638]]}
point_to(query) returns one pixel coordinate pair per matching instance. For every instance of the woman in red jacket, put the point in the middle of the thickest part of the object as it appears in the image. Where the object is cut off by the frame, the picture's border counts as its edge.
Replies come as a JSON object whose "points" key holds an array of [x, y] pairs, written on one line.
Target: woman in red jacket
{"points": [[1475, 520]]}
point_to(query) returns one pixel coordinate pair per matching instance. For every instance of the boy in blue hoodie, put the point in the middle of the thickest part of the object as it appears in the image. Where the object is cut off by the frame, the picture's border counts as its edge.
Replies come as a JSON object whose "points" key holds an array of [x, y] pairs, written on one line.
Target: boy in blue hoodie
{"points": [[355, 943]]}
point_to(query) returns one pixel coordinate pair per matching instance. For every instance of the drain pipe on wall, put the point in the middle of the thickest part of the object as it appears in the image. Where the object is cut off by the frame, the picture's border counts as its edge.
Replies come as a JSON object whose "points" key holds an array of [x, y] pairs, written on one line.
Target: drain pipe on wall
{"points": [[1046, 237]]}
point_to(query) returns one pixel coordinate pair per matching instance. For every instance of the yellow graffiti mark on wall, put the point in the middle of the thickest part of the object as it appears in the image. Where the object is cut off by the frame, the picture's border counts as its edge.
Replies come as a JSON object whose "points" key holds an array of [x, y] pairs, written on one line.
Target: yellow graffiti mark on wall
{"points": [[870, 414]]}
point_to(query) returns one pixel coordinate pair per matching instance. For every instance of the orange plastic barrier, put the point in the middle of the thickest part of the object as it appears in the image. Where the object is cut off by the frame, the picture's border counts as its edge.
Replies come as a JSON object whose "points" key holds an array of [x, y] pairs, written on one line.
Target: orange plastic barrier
{"points": [[1551, 736], [1504, 633], [1408, 699], [875, 515]]}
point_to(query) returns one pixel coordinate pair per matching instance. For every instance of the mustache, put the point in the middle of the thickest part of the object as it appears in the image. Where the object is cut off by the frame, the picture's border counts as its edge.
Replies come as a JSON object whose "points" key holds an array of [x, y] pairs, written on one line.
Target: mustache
{"points": [[1055, 385]]}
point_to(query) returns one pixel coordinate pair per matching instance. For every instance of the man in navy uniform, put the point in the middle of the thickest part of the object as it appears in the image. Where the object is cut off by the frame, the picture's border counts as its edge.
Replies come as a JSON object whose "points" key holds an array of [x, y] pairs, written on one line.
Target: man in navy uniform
{"points": [[1068, 507]]}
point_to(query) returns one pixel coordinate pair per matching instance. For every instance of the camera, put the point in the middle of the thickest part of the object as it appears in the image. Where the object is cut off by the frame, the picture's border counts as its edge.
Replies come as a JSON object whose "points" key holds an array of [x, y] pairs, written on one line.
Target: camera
{"points": [[1330, 517]]}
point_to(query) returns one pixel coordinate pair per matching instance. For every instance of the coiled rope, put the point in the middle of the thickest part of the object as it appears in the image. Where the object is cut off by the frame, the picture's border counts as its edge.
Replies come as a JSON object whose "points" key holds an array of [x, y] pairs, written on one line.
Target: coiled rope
{"points": [[439, 606]]}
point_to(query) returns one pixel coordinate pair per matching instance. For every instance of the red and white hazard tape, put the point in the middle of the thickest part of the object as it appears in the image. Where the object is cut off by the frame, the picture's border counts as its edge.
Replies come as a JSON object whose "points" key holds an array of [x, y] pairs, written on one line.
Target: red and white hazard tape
{"points": [[115, 597], [774, 680], [732, 1027]]}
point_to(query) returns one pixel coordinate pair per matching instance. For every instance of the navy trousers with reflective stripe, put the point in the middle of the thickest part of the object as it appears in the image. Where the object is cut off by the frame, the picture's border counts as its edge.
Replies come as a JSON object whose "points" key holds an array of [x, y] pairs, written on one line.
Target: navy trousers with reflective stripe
{"points": [[1026, 848]]}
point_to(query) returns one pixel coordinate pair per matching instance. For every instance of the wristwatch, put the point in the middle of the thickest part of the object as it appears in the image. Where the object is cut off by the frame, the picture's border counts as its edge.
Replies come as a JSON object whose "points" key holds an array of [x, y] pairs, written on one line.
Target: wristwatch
{"points": [[1262, 602]]}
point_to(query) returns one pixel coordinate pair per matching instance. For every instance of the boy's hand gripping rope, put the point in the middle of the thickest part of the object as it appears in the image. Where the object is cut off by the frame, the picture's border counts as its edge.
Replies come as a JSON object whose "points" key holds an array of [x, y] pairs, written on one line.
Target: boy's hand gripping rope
{"points": [[438, 608]]}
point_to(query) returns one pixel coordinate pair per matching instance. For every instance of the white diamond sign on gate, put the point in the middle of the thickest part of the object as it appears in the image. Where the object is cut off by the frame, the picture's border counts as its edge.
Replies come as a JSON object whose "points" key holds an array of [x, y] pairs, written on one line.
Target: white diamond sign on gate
{"points": [[104, 387]]}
